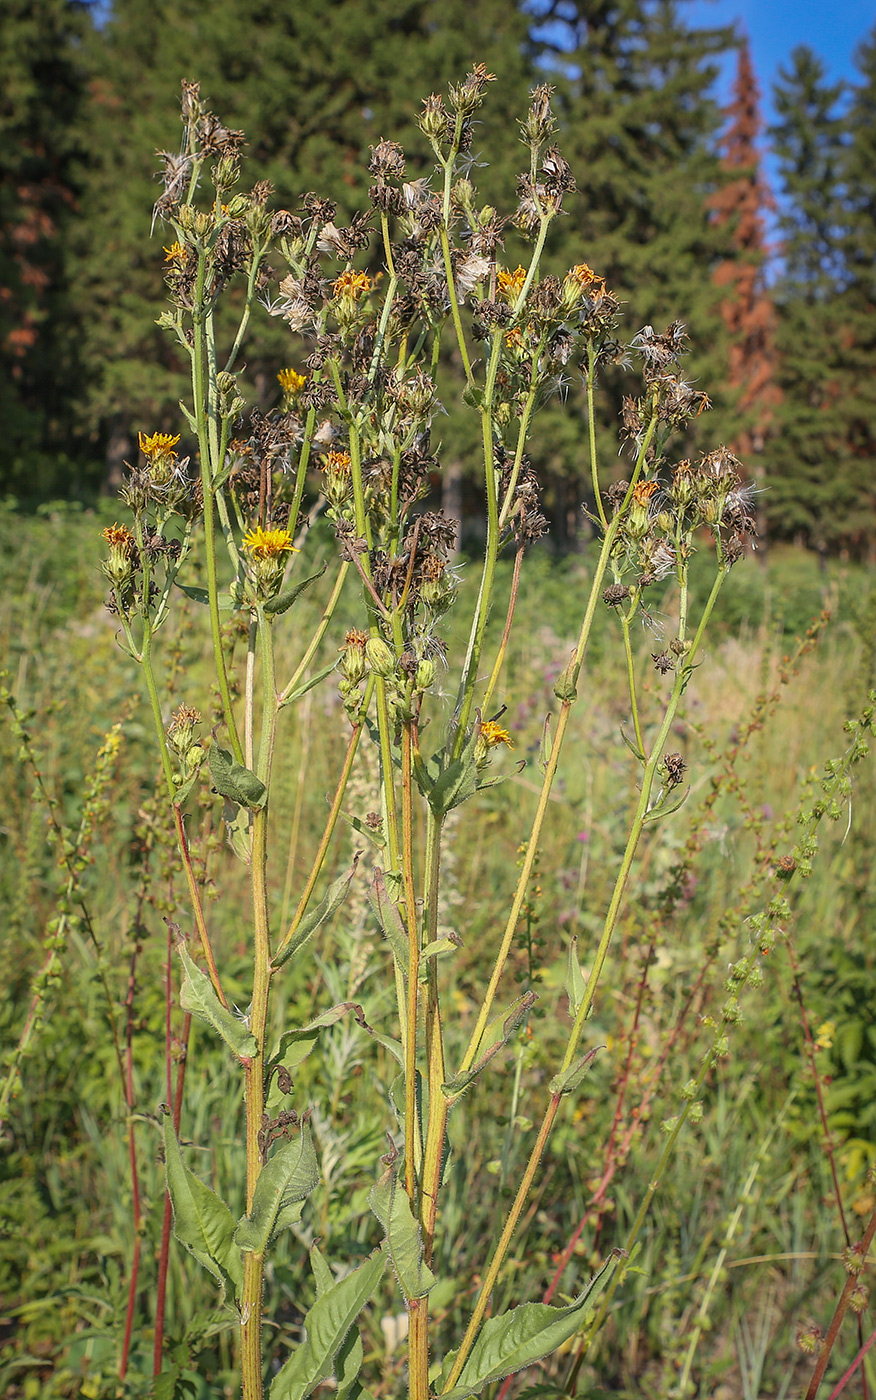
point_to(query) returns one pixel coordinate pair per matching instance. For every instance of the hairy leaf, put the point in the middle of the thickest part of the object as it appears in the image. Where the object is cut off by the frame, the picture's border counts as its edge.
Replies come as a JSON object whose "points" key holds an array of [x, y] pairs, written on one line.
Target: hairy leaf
{"points": [[497, 1034], [284, 600], [517, 1338], [198, 997], [458, 781], [290, 1176], [202, 1222], [331, 900], [390, 1203], [326, 1326], [569, 1079], [234, 780], [391, 922]]}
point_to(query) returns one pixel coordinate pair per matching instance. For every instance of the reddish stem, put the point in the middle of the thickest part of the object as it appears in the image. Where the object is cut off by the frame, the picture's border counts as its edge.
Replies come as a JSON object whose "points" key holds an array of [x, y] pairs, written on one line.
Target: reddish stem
{"points": [[132, 1152], [164, 1253], [841, 1383]]}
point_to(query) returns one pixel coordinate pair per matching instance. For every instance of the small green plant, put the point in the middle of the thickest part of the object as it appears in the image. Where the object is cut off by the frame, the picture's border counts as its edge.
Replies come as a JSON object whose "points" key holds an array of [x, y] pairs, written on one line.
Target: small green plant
{"points": [[351, 439]]}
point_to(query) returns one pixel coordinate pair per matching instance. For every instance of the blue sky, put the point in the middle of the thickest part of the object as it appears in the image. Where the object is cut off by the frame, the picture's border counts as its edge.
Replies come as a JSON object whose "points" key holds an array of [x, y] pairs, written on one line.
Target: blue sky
{"points": [[833, 28]]}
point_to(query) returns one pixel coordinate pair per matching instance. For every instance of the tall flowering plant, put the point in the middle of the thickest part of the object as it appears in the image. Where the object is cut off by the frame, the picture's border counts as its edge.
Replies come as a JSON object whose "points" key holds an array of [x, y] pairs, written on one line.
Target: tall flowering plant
{"points": [[351, 438]]}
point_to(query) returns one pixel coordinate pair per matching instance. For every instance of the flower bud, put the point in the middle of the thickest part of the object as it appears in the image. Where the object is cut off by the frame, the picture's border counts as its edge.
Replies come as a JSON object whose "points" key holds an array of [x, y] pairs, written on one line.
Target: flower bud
{"points": [[379, 656], [425, 674], [353, 662]]}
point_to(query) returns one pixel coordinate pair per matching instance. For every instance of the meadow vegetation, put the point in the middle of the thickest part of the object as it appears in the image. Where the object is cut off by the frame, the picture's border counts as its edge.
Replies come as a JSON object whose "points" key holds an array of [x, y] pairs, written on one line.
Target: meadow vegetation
{"points": [[685, 983]]}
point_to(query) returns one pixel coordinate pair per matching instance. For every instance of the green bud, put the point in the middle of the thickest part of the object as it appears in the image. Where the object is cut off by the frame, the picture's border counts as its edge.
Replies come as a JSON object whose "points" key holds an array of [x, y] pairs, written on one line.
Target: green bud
{"points": [[379, 656]]}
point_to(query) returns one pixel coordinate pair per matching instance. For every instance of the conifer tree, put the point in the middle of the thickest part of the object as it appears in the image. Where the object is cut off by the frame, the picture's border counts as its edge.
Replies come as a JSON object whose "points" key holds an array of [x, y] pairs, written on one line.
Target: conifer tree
{"points": [[813, 495], [40, 92], [311, 86], [746, 306]]}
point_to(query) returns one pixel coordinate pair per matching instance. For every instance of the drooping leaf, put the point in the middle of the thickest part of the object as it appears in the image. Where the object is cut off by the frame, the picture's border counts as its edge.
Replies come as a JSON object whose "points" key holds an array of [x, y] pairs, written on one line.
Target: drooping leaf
{"points": [[285, 1180], [202, 1222], [569, 1079], [284, 600], [234, 780], [390, 1203], [326, 1327], [390, 920], [238, 829], [197, 996], [331, 900], [497, 1034], [515, 1339], [574, 983]]}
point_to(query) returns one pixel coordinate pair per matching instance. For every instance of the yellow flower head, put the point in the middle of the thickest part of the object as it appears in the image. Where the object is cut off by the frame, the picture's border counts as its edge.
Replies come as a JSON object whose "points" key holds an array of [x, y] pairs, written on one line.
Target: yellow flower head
{"points": [[824, 1035], [514, 339], [118, 537], [156, 444], [510, 284], [493, 734], [176, 254], [268, 544], [583, 275], [642, 493], [290, 381], [353, 285], [336, 461]]}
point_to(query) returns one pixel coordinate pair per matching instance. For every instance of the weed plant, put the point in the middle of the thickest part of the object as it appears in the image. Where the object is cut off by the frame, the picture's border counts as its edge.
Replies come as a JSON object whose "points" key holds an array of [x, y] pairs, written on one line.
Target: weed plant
{"points": [[442, 931]]}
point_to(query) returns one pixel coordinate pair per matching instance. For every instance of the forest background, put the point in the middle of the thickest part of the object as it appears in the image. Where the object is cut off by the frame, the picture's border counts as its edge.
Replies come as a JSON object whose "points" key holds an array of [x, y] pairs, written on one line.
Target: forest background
{"points": [[777, 289], [671, 207]]}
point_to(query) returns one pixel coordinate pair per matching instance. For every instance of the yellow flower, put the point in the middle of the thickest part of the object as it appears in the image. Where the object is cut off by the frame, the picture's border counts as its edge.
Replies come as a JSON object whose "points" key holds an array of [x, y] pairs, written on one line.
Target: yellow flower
{"points": [[336, 461], [514, 339], [824, 1035], [353, 285], [118, 537], [290, 381], [642, 492], [268, 544], [157, 443], [510, 284], [176, 253], [493, 734], [583, 275]]}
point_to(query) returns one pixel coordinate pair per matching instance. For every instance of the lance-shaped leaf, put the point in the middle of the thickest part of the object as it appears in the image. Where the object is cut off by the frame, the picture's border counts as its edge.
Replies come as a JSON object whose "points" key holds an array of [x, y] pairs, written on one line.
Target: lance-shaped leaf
{"points": [[326, 1326], [569, 1079], [632, 745], [290, 1176], [200, 595], [197, 996], [348, 1362], [459, 779], [202, 1222], [390, 920], [331, 900], [284, 600], [574, 983], [233, 780], [497, 1034], [517, 1338], [311, 681], [670, 803], [390, 1203]]}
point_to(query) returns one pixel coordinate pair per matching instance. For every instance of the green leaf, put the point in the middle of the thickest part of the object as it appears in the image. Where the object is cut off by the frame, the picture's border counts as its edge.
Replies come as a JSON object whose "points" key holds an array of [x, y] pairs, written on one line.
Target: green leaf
{"points": [[517, 1338], [198, 997], [348, 1362], [376, 837], [200, 595], [670, 803], [390, 920], [390, 1203], [331, 900], [233, 780], [574, 983], [311, 681], [497, 1034], [326, 1326], [459, 779], [440, 945], [238, 830], [569, 1079], [202, 1222], [632, 746], [283, 601], [285, 1180]]}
